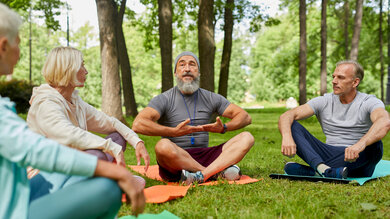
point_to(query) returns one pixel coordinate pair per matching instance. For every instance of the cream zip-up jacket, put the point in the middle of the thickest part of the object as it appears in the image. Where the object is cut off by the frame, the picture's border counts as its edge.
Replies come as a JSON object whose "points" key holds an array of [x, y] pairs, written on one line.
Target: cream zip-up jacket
{"points": [[51, 116]]}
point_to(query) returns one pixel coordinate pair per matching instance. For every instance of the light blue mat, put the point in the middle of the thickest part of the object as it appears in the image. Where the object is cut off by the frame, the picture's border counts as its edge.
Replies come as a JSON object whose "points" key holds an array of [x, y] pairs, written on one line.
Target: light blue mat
{"points": [[163, 215], [382, 169]]}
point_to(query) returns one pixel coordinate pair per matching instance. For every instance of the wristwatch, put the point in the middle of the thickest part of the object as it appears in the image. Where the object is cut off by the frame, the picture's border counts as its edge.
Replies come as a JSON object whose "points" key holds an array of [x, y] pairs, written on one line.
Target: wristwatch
{"points": [[224, 129]]}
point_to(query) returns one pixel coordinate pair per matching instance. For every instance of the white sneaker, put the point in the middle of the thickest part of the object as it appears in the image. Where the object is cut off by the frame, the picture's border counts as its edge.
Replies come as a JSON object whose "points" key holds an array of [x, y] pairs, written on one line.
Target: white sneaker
{"points": [[140, 182], [231, 173]]}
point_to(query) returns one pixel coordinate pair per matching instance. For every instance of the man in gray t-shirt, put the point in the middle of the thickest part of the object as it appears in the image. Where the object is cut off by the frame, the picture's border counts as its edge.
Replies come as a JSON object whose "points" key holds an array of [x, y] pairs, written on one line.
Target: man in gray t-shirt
{"points": [[181, 116], [354, 124]]}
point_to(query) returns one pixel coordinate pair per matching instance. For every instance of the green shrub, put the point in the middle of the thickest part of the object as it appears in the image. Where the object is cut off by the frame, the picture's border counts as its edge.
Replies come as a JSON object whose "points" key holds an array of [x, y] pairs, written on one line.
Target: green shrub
{"points": [[19, 91]]}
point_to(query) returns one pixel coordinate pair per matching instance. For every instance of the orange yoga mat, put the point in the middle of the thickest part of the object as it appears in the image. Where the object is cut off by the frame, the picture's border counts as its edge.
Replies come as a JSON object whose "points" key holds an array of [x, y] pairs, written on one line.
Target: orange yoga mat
{"points": [[152, 173], [163, 193]]}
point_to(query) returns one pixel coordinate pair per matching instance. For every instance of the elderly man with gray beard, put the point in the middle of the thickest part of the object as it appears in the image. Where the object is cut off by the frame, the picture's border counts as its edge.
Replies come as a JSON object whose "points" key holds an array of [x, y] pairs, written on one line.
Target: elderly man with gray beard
{"points": [[181, 116]]}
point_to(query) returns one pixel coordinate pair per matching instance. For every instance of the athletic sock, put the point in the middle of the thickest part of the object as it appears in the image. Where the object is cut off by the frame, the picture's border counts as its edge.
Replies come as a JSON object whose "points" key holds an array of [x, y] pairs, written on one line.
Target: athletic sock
{"points": [[321, 168]]}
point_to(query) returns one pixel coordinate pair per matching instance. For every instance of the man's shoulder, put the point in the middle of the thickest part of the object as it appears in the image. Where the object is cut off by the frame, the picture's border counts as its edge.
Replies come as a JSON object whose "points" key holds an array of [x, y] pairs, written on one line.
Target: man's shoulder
{"points": [[208, 93], [205, 91], [364, 96], [325, 97], [166, 94], [369, 100]]}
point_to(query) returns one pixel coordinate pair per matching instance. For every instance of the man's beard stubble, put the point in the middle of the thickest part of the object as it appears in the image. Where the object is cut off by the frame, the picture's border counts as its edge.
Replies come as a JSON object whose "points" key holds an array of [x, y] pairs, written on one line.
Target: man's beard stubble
{"points": [[188, 87]]}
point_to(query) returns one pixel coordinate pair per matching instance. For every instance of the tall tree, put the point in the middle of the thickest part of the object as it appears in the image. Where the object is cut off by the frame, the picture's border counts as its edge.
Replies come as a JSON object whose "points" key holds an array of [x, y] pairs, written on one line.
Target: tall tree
{"points": [[227, 48], [165, 30], [346, 24], [124, 61], [111, 90], [302, 52], [356, 30], [323, 47], [381, 47], [388, 55], [206, 43]]}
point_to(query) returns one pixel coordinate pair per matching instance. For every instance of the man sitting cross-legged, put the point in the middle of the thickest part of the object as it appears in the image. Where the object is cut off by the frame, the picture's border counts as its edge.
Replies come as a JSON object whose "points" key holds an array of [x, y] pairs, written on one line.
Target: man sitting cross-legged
{"points": [[183, 115], [354, 124]]}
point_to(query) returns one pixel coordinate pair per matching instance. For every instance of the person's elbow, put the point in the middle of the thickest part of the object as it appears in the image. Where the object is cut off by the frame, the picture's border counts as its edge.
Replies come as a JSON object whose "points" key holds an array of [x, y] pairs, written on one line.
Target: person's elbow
{"points": [[284, 116], [387, 126], [137, 127], [248, 119]]}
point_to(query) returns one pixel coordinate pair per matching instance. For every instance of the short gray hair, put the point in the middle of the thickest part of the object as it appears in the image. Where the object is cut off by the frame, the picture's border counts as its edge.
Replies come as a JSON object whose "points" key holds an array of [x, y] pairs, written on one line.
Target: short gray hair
{"points": [[358, 69], [10, 22]]}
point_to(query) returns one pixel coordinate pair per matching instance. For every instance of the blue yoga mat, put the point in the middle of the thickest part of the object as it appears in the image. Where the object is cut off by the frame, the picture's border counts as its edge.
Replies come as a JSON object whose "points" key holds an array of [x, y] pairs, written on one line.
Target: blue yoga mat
{"points": [[163, 215], [382, 169]]}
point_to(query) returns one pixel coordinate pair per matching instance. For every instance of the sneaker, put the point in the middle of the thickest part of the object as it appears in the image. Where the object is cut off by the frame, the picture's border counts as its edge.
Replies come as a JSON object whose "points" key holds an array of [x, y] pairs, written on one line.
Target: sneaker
{"points": [[292, 168], [187, 177], [231, 173], [336, 172], [140, 182]]}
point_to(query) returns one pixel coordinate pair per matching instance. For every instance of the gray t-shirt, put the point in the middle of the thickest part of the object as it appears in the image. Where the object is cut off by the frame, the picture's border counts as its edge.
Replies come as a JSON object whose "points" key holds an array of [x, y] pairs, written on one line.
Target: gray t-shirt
{"points": [[172, 109], [344, 124]]}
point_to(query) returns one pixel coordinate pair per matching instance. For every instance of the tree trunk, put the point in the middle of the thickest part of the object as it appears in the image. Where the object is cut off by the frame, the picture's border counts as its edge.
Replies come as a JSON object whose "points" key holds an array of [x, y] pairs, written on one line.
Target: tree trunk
{"points": [[381, 47], [165, 30], [227, 48], [356, 30], [302, 52], [111, 90], [346, 24], [206, 43], [323, 48], [127, 82], [388, 55]]}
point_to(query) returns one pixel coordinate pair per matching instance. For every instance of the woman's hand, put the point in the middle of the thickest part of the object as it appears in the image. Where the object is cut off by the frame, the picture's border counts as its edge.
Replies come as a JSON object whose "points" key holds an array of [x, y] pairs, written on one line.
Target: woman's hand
{"points": [[140, 151], [134, 193], [120, 159], [126, 182]]}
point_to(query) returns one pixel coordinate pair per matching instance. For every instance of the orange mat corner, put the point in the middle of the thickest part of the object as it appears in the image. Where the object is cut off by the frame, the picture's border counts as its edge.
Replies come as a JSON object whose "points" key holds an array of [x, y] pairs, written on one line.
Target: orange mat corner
{"points": [[164, 193], [152, 172]]}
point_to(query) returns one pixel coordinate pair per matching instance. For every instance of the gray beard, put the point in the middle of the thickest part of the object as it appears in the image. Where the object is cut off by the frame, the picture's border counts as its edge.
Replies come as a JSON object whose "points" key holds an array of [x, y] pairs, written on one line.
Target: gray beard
{"points": [[188, 87]]}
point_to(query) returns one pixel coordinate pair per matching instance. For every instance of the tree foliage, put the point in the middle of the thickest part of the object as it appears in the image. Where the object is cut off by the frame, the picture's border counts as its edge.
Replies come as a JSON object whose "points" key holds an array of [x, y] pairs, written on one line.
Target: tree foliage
{"points": [[49, 8], [274, 56], [263, 64]]}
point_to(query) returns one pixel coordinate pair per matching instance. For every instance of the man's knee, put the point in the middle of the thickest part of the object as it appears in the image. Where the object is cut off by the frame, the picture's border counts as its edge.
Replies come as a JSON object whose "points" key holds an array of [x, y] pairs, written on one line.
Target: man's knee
{"points": [[248, 137], [165, 148], [245, 141], [295, 125], [297, 129]]}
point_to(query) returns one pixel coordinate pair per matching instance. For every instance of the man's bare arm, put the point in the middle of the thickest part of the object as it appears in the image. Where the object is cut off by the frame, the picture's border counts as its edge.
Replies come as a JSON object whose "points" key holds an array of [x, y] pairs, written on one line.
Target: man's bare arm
{"points": [[239, 119], [380, 127], [289, 147], [146, 123]]}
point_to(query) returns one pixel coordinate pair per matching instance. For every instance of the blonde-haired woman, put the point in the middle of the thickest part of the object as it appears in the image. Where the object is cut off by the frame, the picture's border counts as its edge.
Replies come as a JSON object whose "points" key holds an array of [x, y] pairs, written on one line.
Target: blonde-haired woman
{"points": [[58, 112], [95, 197]]}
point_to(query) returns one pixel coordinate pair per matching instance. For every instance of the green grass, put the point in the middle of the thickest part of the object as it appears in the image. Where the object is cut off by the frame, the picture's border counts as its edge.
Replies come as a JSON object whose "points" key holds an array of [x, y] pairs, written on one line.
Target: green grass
{"points": [[270, 198]]}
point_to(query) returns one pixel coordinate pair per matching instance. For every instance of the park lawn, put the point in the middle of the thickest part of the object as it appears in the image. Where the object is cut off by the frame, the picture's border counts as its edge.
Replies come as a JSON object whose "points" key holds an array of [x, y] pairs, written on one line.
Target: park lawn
{"points": [[270, 198]]}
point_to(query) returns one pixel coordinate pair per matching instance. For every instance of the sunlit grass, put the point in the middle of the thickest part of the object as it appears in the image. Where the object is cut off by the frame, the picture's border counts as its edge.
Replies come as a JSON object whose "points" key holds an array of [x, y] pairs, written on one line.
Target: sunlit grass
{"points": [[271, 198]]}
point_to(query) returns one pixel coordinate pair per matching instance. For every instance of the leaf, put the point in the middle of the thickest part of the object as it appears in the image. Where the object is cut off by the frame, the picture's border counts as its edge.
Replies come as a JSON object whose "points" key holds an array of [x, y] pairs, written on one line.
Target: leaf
{"points": [[368, 206]]}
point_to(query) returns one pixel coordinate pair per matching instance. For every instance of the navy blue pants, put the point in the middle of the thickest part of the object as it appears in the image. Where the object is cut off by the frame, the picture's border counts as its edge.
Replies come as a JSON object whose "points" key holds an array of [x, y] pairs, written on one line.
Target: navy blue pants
{"points": [[315, 152]]}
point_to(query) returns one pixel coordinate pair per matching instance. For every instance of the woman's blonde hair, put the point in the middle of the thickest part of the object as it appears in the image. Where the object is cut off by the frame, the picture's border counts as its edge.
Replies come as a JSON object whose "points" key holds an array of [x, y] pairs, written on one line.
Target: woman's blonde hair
{"points": [[61, 66]]}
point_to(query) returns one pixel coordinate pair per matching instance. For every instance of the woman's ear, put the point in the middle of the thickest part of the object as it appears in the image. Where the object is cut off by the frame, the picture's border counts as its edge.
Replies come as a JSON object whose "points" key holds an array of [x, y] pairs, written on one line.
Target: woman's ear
{"points": [[3, 44]]}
